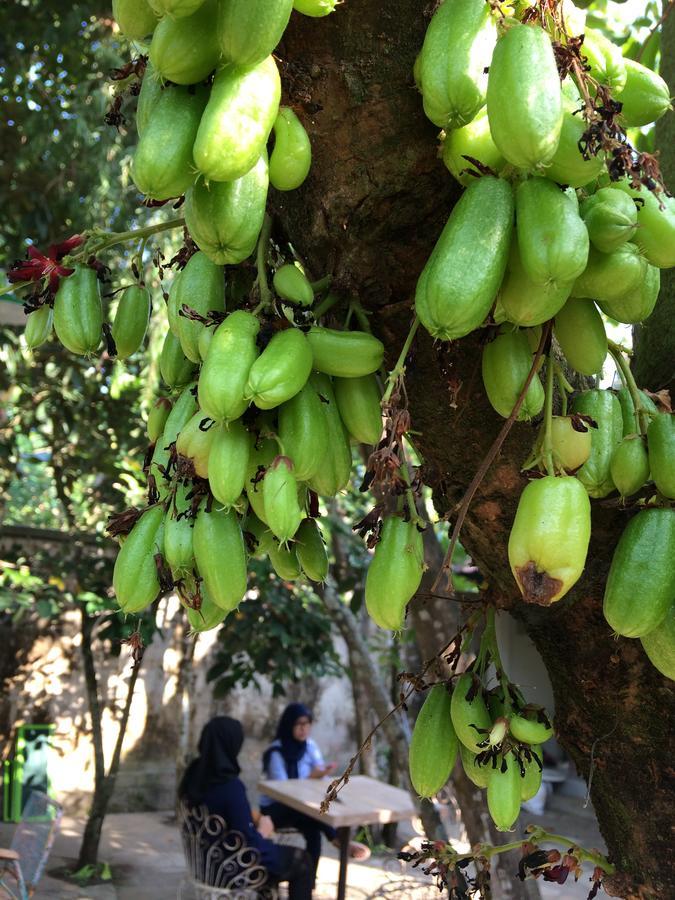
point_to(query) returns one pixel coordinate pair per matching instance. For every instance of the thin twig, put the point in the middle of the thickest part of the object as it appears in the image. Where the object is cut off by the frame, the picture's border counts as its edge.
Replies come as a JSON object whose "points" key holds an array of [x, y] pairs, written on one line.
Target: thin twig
{"points": [[666, 12]]}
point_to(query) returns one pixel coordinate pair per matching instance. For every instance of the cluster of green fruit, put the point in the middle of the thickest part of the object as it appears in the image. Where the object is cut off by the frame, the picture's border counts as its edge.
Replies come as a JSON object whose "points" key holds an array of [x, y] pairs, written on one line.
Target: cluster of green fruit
{"points": [[542, 236]]}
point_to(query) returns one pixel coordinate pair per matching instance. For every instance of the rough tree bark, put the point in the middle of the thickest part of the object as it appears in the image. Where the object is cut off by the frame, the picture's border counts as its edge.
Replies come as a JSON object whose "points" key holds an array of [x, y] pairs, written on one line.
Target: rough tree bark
{"points": [[370, 212]]}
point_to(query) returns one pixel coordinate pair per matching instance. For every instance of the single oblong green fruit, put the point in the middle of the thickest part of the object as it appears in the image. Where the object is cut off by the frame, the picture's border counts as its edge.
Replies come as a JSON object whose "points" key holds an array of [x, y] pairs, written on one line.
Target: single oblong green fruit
{"points": [[249, 30], [281, 370], [661, 443], [358, 401], [303, 431], [151, 90], [186, 51], [454, 81], [610, 276], [640, 585], [638, 304], [290, 283], [629, 467], [506, 363], [201, 287], [135, 18], [291, 157], [571, 447], [603, 407], [174, 366], [224, 373], [208, 616], [135, 579], [655, 236], [220, 556], [568, 166], [503, 792], [311, 550], [178, 527], [347, 354], [478, 775], [131, 320], [280, 496], [581, 334], [183, 410], [38, 326], [552, 238], [315, 8], [524, 99], [394, 573], [630, 425], [284, 561], [659, 645], [611, 218], [470, 715], [530, 782], [159, 413], [162, 165], [525, 302], [333, 474], [78, 315], [459, 282], [434, 744], [194, 442], [237, 120], [224, 218], [262, 454], [549, 538], [529, 730], [228, 462], [645, 96], [473, 140], [604, 58]]}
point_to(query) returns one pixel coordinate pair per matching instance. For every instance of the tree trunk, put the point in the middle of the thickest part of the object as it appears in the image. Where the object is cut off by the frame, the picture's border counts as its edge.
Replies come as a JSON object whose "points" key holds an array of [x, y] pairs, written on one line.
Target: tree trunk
{"points": [[373, 205]]}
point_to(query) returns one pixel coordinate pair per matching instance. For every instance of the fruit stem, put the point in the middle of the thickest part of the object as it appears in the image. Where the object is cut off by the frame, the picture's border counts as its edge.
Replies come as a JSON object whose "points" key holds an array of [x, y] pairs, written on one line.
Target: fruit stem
{"points": [[399, 368], [322, 284], [563, 384], [10, 288], [415, 517], [120, 237], [593, 856], [641, 414], [261, 265], [547, 449], [360, 315], [327, 303]]}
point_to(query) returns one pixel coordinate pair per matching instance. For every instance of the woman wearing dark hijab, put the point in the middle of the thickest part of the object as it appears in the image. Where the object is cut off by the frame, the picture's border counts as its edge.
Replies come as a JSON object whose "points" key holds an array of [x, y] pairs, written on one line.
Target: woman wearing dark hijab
{"points": [[293, 754], [212, 780]]}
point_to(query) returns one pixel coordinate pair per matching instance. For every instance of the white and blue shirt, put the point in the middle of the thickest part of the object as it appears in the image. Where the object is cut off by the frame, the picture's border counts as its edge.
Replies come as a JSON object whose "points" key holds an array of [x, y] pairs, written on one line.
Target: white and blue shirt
{"points": [[276, 767]]}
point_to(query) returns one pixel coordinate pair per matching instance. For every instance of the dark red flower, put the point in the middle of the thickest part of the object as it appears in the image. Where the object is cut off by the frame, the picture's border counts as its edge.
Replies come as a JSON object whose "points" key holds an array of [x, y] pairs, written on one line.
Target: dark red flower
{"points": [[38, 266]]}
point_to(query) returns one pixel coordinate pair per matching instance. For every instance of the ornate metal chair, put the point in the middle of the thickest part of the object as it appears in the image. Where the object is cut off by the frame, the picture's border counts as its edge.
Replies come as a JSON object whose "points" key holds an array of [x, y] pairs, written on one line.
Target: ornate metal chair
{"points": [[23, 863], [220, 864]]}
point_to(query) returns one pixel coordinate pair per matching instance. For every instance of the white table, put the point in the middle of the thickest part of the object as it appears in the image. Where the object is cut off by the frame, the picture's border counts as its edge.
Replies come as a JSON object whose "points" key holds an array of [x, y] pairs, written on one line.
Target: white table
{"points": [[362, 801]]}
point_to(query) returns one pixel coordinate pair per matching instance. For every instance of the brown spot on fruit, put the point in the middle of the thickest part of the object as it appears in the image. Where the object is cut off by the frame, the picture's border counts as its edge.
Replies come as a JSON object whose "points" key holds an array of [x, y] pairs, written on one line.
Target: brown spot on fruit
{"points": [[537, 587]]}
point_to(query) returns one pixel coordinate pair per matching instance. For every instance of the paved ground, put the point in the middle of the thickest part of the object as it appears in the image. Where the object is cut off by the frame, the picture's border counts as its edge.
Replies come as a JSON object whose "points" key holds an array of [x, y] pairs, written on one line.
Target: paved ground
{"points": [[145, 854]]}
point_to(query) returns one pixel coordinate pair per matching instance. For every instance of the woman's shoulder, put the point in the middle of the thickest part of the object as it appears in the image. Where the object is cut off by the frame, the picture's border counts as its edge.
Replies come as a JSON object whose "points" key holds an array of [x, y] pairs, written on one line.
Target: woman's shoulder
{"points": [[312, 749]]}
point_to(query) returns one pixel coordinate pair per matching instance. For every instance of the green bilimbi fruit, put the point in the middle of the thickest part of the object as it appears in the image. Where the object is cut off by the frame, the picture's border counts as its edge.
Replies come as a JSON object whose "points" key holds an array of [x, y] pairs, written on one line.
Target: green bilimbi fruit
{"points": [[225, 218], [177, 9], [530, 730], [478, 775], [506, 363], [525, 302], [611, 276], [135, 579], [434, 744], [280, 497], [131, 320], [38, 326], [606, 62], [453, 62], [552, 238], [228, 462], [581, 334], [281, 370], [290, 283], [194, 442], [630, 425], [571, 447], [549, 538], [291, 157], [347, 354], [503, 792], [655, 234], [162, 166], [178, 529], [201, 286], [172, 304], [208, 616], [224, 373], [260, 459], [237, 120], [470, 715], [303, 431], [249, 30], [159, 413], [568, 166], [629, 467], [183, 410], [611, 218], [284, 561], [311, 550], [661, 442], [174, 366], [78, 315], [473, 140], [645, 96], [640, 586], [135, 18], [659, 645], [530, 782], [604, 409], [394, 573], [204, 342], [220, 556], [333, 474], [258, 536], [638, 304], [315, 8], [151, 91], [358, 401], [524, 99], [186, 51], [459, 282]]}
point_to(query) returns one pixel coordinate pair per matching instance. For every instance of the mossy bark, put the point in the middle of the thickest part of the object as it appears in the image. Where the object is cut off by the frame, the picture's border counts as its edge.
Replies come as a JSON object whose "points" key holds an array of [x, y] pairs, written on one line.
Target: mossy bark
{"points": [[373, 205]]}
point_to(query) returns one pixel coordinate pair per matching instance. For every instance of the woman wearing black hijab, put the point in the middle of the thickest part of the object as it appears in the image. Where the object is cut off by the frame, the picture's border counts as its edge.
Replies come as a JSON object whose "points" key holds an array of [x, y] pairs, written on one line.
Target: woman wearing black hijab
{"points": [[212, 780], [293, 754]]}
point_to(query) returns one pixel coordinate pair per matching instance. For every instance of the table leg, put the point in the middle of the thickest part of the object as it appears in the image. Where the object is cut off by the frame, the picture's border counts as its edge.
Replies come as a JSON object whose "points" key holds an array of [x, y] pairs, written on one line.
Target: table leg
{"points": [[343, 839]]}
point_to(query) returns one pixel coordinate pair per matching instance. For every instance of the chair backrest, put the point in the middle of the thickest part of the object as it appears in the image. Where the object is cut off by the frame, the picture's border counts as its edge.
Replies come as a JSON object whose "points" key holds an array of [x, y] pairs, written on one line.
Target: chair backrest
{"points": [[218, 856], [35, 834]]}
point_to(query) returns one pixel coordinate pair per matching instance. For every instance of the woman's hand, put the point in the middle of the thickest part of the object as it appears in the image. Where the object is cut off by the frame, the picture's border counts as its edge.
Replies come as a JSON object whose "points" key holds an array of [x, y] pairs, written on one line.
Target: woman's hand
{"points": [[265, 826], [320, 771]]}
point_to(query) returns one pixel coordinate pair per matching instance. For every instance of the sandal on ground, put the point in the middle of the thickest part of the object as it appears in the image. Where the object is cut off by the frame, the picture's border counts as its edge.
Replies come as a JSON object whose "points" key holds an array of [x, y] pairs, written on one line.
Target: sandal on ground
{"points": [[358, 851]]}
